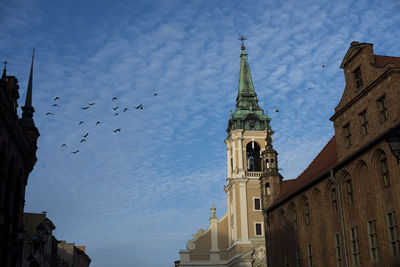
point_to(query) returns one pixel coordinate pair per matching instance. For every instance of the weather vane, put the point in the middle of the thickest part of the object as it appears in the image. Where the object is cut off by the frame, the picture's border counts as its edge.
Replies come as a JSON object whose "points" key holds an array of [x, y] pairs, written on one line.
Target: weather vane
{"points": [[242, 39]]}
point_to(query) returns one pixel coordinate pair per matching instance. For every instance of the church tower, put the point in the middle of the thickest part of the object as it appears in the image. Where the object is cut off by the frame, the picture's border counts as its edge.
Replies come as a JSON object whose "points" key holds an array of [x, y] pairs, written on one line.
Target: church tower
{"points": [[237, 238]]}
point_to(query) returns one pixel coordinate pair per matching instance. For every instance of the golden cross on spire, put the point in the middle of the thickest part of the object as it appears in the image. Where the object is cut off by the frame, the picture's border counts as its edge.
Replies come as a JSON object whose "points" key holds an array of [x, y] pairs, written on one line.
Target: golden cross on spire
{"points": [[242, 39]]}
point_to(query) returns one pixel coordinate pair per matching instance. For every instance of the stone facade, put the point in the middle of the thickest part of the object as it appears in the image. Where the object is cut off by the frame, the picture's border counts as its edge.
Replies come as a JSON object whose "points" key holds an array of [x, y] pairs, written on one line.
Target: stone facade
{"points": [[18, 138], [344, 208]]}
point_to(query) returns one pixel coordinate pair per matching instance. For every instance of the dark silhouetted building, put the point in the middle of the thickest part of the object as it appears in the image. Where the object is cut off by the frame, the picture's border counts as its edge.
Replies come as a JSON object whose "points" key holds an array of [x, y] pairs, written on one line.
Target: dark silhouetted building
{"points": [[18, 138]]}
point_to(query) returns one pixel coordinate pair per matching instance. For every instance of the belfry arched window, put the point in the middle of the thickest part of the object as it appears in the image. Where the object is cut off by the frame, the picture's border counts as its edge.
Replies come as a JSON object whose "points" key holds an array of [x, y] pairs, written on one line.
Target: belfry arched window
{"points": [[253, 157]]}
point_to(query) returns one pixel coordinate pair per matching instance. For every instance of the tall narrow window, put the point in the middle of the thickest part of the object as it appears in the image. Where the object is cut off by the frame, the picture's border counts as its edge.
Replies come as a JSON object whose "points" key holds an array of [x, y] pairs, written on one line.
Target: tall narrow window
{"points": [[298, 259], [257, 204], [393, 234], [357, 78], [347, 135], [355, 246], [349, 191], [383, 113], [384, 171], [364, 122], [338, 250], [372, 240], [309, 255], [284, 226], [334, 201], [307, 213], [258, 229], [267, 189], [295, 225], [253, 157]]}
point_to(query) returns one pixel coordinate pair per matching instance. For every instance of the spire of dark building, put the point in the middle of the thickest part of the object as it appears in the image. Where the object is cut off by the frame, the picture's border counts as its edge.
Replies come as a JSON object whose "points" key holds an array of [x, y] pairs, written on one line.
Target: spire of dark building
{"points": [[28, 110], [3, 79]]}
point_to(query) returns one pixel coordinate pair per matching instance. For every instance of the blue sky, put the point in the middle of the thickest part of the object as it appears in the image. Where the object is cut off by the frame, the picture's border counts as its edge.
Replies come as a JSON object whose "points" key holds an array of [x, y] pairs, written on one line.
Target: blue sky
{"points": [[135, 197]]}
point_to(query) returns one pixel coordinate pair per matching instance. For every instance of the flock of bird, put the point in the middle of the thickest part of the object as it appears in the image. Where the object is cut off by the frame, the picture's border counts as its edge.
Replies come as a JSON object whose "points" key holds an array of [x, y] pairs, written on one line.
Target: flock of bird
{"points": [[86, 107]]}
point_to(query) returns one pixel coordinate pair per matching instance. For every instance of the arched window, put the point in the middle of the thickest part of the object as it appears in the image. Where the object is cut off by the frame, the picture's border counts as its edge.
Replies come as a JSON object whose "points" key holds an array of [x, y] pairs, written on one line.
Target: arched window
{"points": [[253, 157], [307, 213]]}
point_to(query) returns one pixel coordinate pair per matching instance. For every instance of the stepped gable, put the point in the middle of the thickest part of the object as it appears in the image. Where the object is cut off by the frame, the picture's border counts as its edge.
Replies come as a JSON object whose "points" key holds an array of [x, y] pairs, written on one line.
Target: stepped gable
{"points": [[382, 61], [325, 160]]}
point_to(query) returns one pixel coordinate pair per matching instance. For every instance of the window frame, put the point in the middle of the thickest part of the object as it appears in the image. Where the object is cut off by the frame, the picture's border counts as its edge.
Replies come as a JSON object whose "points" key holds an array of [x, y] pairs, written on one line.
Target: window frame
{"points": [[382, 109], [393, 234], [255, 228], [357, 77], [364, 126], [355, 246], [373, 240], [347, 134], [254, 204]]}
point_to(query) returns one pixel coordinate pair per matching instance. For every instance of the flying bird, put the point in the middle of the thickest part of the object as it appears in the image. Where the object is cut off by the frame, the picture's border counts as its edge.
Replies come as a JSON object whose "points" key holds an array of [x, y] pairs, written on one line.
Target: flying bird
{"points": [[63, 145], [114, 98], [56, 98], [139, 107], [91, 104], [125, 109], [323, 65], [116, 114], [276, 110], [116, 108], [117, 130], [83, 140], [55, 105], [81, 122], [85, 135], [155, 94], [49, 113], [85, 107], [75, 152], [309, 88], [98, 122]]}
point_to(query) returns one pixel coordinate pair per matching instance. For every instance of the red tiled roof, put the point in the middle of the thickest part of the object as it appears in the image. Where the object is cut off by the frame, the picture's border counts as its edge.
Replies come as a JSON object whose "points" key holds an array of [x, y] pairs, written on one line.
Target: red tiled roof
{"points": [[383, 60], [325, 160]]}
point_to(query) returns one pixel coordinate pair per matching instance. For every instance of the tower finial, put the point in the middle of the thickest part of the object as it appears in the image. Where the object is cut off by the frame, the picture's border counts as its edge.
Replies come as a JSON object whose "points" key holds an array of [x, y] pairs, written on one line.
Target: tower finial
{"points": [[242, 39]]}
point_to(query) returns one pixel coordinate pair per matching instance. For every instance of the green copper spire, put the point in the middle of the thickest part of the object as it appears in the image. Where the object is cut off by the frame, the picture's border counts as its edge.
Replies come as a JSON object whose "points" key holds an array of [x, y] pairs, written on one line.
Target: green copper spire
{"points": [[248, 114]]}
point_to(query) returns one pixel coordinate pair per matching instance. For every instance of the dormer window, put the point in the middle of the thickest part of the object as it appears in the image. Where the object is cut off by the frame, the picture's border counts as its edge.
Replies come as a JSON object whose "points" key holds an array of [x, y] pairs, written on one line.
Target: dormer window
{"points": [[357, 78]]}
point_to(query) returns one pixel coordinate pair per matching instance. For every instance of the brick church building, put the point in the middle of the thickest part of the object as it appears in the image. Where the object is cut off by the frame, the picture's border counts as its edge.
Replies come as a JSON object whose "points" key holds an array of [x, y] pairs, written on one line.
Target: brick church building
{"points": [[18, 138], [343, 209]]}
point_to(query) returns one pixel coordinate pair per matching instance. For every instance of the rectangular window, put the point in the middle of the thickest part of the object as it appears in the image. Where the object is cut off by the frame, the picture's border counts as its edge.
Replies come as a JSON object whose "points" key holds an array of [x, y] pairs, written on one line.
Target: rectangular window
{"points": [[385, 172], [355, 246], [363, 122], [334, 202], [347, 135], [349, 188], [338, 250], [357, 78], [295, 225], [257, 204], [258, 229], [298, 259], [393, 234], [309, 255], [372, 240], [383, 113], [307, 213]]}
